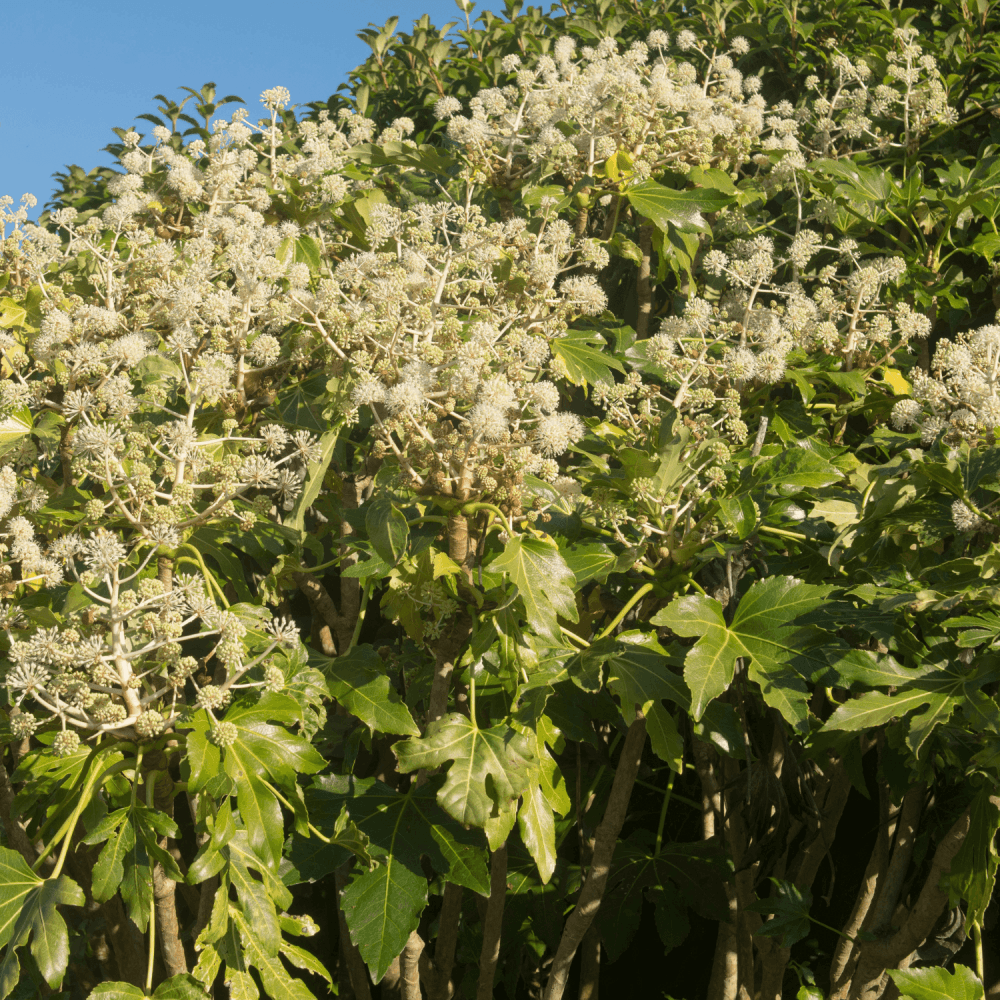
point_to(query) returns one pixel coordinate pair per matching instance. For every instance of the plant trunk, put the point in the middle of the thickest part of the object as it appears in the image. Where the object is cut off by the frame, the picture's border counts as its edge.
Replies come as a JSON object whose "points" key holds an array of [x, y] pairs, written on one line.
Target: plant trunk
{"points": [[410, 962], [490, 953], [604, 848], [447, 941]]}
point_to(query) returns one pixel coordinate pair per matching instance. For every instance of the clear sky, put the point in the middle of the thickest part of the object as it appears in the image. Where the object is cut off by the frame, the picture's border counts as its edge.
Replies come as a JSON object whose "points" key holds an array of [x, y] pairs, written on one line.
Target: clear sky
{"points": [[74, 70]]}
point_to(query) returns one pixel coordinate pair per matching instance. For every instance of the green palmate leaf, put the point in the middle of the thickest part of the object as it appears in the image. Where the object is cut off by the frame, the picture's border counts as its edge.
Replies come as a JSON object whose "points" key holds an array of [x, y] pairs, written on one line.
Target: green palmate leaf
{"points": [[241, 855], [314, 479], [666, 207], [590, 561], [17, 881], [382, 908], [387, 528], [973, 871], [794, 470], [690, 875], [487, 768], [466, 862], [740, 514], [15, 427], [203, 758], [584, 363], [709, 666], [302, 249], [764, 630], [537, 828], [277, 982], [932, 695], [116, 991], [640, 673], [241, 985], [109, 871], [136, 886], [264, 752], [790, 906], [938, 984], [261, 813], [28, 910], [359, 682], [406, 826], [305, 960], [544, 582], [255, 902], [182, 987]]}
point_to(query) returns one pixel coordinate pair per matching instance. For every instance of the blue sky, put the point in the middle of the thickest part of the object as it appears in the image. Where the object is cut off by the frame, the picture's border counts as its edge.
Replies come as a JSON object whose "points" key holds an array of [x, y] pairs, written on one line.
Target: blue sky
{"points": [[74, 70]]}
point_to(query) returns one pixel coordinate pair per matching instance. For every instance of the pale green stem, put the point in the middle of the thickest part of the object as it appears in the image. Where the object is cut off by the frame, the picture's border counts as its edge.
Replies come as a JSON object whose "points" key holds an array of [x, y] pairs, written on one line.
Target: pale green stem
{"points": [[472, 508], [782, 533], [361, 617], [663, 813], [632, 601], [66, 830], [152, 936], [281, 798], [209, 577]]}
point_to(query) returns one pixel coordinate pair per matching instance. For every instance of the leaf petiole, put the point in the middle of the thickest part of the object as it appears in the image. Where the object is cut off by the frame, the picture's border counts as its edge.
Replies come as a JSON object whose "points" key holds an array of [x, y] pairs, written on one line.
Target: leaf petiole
{"points": [[629, 605]]}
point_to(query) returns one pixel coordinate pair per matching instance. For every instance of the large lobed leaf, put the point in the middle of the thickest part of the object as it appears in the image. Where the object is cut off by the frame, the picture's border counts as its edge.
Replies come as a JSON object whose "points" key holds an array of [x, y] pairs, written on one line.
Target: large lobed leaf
{"points": [[763, 630], [28, 910], [359, 682], [544, 582], [487, 768]]}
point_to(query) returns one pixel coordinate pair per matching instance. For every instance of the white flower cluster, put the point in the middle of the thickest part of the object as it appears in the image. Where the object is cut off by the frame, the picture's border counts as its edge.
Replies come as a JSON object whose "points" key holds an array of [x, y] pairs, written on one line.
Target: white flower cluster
{"points": [[457, 369], [852, 112], [959, 396], [120, 664], [575, 109]]}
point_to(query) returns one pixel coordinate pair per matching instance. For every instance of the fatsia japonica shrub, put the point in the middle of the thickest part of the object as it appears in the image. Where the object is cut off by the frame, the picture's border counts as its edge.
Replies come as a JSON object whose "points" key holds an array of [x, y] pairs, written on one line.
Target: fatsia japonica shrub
{"points": [[497, 531]]}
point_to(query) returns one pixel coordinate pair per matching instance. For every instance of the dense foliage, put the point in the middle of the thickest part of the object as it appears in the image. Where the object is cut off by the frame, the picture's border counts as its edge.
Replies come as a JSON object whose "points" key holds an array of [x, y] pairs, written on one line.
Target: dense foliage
{"points": [[534, 513]]}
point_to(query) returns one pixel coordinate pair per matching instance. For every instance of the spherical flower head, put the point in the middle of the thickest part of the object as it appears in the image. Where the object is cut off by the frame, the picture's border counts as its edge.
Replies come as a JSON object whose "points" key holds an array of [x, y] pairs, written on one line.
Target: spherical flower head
{"points": [[510, 63], [149, 724], [964, 519], [740, 46], [446, 107], [498, 392], [716, 262], [405, 398], [741, 364], [211, 696], [586, 294], [284, 630], [223, 734], [905, 413], [274, 679], [488, 422], [66, 743], [544, 396], [555, 433], [275, 98], [22, 725], [658, 39], [368, 391], [686, 40], [265, 350]]}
